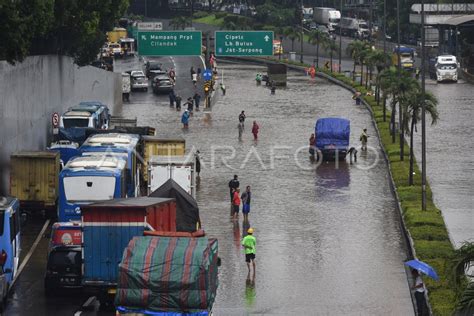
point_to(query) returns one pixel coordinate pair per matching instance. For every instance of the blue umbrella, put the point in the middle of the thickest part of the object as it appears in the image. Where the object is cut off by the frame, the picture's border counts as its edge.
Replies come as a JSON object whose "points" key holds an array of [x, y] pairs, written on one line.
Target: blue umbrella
{"points": [[423, 268]]}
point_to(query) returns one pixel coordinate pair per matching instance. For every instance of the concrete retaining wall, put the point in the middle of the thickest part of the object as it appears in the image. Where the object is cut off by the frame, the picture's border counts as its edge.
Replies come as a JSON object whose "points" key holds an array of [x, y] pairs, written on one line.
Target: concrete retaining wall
{"points": [[30, 92]]}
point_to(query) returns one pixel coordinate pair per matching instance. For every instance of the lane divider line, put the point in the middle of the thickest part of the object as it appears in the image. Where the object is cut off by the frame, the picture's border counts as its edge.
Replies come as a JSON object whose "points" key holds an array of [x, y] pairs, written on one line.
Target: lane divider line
{"points": [[30, 252]]}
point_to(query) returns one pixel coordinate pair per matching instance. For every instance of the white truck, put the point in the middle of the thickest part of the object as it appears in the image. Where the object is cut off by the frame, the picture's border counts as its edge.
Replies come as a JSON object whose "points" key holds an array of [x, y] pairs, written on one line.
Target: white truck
{"points": [[446, 68], [327, 16], [354, 28], [179, 168]]}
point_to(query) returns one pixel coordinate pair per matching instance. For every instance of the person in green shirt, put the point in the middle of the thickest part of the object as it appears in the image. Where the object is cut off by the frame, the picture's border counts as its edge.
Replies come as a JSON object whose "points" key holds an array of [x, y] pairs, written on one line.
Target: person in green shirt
{"points": [[249, 243]]}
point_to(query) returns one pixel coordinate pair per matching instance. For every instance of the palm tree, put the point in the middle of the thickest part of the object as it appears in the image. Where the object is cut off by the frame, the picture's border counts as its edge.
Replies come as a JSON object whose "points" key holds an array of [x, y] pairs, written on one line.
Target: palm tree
{"points": [[363, 56], [463, 260], [380, 60], [330, 47], [354, 49], [413, 104], [293, 34], [388, 84], [407, 86], [317, 38]]}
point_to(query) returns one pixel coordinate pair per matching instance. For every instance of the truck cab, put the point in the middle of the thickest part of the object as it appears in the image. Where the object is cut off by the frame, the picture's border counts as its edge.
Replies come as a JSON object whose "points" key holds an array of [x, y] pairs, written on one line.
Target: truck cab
{"points": [[92, 114], [64, 263], [9, 243], [446, 68]]}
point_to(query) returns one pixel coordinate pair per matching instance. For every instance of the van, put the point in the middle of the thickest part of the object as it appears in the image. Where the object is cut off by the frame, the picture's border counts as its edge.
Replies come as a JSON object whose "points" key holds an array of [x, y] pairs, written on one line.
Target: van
{"points": [[9, 244]]}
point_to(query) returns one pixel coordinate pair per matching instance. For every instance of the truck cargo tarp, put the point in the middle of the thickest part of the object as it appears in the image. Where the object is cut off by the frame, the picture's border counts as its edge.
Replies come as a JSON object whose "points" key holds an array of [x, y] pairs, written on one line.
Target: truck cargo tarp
{"points": [[332, 131], [168, 274], [187, 210]]}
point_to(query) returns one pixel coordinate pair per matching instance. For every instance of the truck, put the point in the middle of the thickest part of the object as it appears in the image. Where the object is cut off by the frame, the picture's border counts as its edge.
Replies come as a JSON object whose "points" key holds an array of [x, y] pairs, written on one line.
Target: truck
{"points": [[445, 68], [168, 275], [407, 57], [354, 27], [34, 180], [160, 146], [179, 168], [332, 138], [327, 16], [108, 228], [10, 245]]}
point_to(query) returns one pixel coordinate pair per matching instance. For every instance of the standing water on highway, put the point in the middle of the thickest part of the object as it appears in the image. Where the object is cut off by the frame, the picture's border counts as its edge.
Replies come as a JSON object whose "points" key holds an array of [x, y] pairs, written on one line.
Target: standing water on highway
{"points": [[328, 238]]}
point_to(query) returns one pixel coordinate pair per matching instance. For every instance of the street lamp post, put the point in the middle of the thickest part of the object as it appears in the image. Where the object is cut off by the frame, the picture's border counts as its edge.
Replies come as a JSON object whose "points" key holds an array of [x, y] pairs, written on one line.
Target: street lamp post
{"points": [[384, 51], [302, 33], [340, 39], [423, 111]]}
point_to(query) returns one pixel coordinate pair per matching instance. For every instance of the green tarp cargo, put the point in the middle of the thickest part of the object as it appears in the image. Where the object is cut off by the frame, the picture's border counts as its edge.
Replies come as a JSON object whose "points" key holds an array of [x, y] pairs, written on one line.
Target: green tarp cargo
{"points": [[167, 274]]}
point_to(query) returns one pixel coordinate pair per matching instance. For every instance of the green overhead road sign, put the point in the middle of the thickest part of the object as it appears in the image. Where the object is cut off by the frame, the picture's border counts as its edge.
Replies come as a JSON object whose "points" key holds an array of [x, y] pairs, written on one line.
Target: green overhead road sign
{"points": [[169, 43], [244, 43]]}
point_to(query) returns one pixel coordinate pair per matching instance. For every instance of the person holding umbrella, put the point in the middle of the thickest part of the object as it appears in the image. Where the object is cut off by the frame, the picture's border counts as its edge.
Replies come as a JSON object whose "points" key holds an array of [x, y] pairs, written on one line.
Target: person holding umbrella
{"points": [[419, 288]]}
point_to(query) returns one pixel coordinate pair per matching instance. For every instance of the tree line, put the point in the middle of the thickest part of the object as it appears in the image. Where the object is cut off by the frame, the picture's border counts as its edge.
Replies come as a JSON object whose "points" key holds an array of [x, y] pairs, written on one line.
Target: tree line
{"points": [[75, 28]]}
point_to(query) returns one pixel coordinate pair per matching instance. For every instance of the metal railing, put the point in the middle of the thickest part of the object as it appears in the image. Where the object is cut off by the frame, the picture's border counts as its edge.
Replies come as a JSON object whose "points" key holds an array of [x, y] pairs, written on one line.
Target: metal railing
{"points": [[443, 8]]}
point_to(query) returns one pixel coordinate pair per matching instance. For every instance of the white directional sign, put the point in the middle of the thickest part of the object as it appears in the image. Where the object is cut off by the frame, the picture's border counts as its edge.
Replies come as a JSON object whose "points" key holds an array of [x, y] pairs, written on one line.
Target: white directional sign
{"points": [[150, 26]]}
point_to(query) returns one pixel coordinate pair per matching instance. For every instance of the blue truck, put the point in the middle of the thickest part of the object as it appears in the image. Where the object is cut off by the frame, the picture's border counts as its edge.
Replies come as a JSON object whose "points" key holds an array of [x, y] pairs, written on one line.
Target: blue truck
{"points": [[332, 138]]}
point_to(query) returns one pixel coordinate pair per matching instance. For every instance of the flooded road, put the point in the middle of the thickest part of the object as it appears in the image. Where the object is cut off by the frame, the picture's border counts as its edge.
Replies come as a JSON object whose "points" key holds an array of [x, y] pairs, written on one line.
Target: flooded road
{"points": [[450, 167], [328, 239]]}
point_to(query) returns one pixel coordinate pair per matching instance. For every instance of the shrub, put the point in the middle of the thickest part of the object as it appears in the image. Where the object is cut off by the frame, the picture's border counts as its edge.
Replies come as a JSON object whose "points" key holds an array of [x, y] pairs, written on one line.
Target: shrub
{"points": [[221, 15], [200, 14]]}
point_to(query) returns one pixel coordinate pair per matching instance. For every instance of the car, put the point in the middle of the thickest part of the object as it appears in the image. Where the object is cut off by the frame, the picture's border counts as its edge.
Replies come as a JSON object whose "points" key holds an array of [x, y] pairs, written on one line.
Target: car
{"points": [[162, 84], [139, 81], [154, 73], [150, 66], [134, 73], [63, 269]]}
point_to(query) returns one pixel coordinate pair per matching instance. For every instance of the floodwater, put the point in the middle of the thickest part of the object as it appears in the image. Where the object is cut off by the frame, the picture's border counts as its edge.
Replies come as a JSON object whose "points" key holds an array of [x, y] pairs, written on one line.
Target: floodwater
{"points": [[450, 167], [328, 239]]}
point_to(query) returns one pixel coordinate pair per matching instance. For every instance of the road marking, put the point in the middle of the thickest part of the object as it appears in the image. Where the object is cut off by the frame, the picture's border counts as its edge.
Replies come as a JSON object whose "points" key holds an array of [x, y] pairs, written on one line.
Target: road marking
{"points": [[78, 313], [203, 62], [30, 253]]}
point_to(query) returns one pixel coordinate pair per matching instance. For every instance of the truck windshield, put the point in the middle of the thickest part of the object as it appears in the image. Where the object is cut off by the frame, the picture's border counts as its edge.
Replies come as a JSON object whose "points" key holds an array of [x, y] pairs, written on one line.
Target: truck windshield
{"points": [[363, 26], [89, 188], [65, 258], [447, 66], [334, 20], [75, 122]]}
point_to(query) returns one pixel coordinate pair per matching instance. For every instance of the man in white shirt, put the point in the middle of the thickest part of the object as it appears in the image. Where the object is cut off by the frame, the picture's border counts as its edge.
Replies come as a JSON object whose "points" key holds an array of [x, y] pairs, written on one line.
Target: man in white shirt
{"points": [[419, 288]]}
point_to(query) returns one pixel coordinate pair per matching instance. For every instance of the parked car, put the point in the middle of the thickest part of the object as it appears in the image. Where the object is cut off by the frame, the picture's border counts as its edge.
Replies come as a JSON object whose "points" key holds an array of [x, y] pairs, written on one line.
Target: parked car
{"points": [[139, 81], [151, 65], [162, 84]]}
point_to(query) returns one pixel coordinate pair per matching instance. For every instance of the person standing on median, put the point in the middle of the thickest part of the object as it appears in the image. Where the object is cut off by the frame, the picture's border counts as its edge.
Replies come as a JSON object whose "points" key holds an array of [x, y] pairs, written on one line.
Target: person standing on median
{"points": [[249, 243]]}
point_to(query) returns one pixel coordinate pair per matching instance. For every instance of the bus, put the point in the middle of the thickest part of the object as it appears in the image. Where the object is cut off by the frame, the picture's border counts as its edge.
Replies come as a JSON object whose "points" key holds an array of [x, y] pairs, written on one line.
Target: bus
{"points": [[9, 243], [85, 180], [92, 114], [120, 145]]}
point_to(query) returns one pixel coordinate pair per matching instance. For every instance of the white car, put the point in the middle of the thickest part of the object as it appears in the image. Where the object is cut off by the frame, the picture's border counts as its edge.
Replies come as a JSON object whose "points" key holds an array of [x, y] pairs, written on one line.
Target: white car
{"points": [[139, 82], [137, 73]]}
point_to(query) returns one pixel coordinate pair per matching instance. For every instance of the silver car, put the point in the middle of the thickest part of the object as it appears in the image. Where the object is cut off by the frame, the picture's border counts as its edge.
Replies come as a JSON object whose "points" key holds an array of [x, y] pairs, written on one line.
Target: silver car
{"points": [[139, 82], [162, 84]]}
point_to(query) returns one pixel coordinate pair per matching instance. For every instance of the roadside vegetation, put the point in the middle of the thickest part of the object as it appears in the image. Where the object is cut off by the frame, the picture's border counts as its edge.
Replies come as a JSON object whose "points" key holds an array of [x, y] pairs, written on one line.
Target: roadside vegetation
{"points": [[73, 28]]}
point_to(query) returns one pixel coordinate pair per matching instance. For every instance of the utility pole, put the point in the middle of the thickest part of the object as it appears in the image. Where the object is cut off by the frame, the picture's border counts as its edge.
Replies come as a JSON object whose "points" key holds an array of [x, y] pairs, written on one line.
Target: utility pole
{"points": [[146, 8], [340, 38], [384, 51], [302, 33], [423, 111]]}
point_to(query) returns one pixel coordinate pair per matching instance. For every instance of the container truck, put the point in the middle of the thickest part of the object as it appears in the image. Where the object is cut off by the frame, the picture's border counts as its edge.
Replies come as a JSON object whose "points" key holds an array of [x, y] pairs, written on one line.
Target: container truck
{"points": [[179, 168], [327, 16], [108, 228], [354, 28], [34, 180], [332, 138], [170, 275]]}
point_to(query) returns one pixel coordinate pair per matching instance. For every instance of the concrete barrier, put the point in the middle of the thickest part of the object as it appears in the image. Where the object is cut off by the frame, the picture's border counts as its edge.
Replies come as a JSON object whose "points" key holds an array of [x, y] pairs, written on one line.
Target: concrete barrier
{"points": [[31, 91]]}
